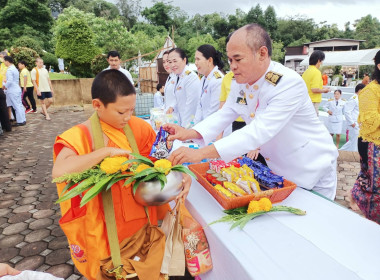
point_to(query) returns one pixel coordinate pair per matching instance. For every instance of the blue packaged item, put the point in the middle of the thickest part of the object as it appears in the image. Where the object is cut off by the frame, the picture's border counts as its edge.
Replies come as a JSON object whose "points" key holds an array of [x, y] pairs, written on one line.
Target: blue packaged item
{"points": [[161, 146]]}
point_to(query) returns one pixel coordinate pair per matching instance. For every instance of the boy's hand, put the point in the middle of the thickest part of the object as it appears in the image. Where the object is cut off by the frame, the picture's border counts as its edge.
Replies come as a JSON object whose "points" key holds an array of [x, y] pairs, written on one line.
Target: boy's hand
{"points": [[114, 152], [7, 270], [186, 183]]}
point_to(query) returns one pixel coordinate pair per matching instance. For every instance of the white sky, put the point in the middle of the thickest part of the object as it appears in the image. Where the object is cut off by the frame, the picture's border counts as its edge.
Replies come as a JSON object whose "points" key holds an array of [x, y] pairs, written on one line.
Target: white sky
{"points": [[338, 11]]}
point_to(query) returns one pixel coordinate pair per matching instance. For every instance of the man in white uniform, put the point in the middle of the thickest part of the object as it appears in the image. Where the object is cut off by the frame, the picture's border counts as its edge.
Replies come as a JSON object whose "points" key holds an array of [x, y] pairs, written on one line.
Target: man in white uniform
{"points": [[113, 58], [351, 113], [274, 103]]}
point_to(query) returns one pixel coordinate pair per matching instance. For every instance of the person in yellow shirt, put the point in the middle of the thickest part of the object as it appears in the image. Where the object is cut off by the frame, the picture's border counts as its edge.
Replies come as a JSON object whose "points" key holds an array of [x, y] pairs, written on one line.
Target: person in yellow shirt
{"points": [[313, 79], [27, 88], [4, 116]]}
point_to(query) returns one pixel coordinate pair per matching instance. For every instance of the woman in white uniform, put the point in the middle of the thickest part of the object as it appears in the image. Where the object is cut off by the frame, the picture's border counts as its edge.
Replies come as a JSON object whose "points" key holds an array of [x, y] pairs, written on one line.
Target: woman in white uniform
{"points": [[170, 83], [187, 88], [335, 108], [209, 64]]}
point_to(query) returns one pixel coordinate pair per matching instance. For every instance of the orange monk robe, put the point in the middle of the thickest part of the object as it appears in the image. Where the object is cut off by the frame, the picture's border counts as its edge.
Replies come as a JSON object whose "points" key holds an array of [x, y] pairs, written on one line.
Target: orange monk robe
{"points": [[88, 221]]}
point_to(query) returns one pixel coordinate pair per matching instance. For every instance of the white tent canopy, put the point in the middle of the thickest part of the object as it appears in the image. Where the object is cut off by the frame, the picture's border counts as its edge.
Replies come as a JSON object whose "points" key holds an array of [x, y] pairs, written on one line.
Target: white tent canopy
{"points": [[347, 58]]}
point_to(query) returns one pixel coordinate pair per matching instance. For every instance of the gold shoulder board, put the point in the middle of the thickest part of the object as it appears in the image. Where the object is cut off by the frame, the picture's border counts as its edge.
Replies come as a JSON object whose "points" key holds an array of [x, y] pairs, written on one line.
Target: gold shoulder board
{"points": [[188, 72], [217, 75], [273, 77], [331, 99]]}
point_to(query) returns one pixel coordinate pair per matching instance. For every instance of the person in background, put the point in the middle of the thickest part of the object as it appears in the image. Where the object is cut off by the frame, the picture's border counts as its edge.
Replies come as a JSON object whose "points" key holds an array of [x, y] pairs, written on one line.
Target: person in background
{"points": [[334, 108], [169, 84], [114, 61], [344, 84], [209, 64], [4, 116], [158, 97], [43, 87], [351, 113], [365, 80], [14, 91], [187, 88], [313, 79], [366, 191], [27, 88], [325, 79]]}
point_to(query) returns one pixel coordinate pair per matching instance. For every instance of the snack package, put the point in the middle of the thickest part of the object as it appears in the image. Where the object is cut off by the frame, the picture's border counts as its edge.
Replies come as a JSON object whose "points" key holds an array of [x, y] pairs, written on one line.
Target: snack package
{"points": [[161, 146]]}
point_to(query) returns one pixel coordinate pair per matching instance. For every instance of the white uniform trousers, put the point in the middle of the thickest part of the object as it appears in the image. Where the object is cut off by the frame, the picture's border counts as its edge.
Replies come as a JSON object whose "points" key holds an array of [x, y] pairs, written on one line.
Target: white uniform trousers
{"points": [[326, 186], [14, 99], [352, 143]]}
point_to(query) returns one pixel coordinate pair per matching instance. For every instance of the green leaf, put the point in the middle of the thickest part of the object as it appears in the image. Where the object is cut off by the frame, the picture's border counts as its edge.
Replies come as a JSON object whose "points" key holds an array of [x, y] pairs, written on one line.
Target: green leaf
{"points": [[68, 186], [95, 190], [151, 176], [140, 158], [129, 181], [81, 187], [116, 179], [183, 169], [136, 184], [144, 173]]}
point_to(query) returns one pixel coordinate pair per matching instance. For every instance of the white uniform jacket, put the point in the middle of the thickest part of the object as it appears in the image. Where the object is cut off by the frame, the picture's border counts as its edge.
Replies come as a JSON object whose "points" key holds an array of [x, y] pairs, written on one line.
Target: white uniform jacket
{"points": [[187, 92], [125, 72], [169, 91], [281, 121], [210, 94], [351, 111], [337, 110], [158, 100]]}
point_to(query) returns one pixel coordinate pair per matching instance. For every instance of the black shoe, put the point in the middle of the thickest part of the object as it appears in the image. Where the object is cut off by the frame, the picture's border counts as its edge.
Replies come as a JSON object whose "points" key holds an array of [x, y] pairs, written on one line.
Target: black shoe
{"points": [[19, 124]]}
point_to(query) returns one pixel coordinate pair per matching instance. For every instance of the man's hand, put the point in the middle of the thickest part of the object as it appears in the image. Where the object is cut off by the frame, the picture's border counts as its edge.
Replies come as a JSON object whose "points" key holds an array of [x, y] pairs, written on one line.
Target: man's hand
{"points": [[183, 154], [170, 110], [179, 133], [38, 92], [186, 183], [329, 112], [7, 270], [353, 125], [253, 154], [24, 90], [326, 90]]}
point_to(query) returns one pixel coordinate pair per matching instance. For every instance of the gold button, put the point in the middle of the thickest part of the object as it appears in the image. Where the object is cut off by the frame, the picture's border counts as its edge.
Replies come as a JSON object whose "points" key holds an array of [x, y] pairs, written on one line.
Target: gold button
{"points": [[247, 86], [252, 115], [255, 87], [251, 96], [267, 158]]}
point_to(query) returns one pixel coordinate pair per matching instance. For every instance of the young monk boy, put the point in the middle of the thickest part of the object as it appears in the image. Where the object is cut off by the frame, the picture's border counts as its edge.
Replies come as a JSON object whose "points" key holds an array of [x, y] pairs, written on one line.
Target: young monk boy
{"points": [[114, 100]]}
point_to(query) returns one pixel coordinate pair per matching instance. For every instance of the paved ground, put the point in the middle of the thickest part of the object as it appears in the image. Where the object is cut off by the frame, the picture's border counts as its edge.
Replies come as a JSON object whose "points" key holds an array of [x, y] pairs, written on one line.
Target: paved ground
{"points": [[30, 237]]}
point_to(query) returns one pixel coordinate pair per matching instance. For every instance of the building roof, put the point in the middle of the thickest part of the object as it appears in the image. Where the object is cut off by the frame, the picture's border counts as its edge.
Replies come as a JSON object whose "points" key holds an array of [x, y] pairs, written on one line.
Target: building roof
{"points": [[335, 39]]}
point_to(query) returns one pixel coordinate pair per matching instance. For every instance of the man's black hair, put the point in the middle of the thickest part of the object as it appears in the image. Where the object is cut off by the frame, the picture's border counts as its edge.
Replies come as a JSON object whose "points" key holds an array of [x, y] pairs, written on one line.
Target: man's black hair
{"points": [[316, 56], [8, 58], [109, 84], [158, 87], [23, 63], [113, 54], [359, 87]]}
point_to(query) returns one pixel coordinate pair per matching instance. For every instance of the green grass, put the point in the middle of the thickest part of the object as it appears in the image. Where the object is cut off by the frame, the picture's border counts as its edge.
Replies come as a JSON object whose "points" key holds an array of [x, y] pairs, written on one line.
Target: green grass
{"points": [[59, 76], [342, 140]]}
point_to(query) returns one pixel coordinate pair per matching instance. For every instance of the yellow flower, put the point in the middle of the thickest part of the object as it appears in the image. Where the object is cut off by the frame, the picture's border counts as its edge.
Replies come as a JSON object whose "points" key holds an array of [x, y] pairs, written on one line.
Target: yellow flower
{"points": [[253, 207], [141, 167], [113, 165], [163, 165], [265, 204]]}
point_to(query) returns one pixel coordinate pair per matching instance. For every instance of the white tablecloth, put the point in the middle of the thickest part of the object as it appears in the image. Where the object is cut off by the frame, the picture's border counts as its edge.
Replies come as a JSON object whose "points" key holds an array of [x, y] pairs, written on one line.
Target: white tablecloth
{"points": [[330, 242]]}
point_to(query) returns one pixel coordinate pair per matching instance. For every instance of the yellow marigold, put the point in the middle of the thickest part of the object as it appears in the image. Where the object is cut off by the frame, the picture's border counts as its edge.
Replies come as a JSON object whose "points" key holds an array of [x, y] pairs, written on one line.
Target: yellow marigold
{"points": [[113, 165], [141, 167], [253, 207], [265, 204], [163, 165]]}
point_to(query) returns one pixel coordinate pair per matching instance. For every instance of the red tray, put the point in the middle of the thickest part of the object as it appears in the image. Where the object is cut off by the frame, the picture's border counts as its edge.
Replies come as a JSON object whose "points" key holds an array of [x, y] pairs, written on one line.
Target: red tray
{"points": [[275, 195]]}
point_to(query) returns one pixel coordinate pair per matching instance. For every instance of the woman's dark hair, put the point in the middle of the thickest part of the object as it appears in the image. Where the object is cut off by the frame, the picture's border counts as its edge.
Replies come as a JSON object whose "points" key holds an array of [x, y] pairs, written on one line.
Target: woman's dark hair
{"points": [[338, 90], [109, 84], [209, 51], [181, 53], [159, 86], [315, 56], [376, 73], [359, 87], [166, 52]]}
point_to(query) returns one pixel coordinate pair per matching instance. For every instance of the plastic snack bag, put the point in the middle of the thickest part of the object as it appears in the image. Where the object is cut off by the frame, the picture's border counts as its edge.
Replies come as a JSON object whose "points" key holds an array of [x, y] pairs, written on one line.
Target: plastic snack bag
{"points": [[161, 146]]}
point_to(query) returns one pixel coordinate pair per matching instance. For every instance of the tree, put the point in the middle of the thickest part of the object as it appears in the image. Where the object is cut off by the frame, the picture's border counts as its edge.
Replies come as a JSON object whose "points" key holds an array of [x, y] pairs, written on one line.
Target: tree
{"points": [[75, 44], [50, 60], [25, 41], [26, 54], [271, 22], [31, 18], [129, 10], [98, 64], [368, 28], [159, 14], [295, 28], [255, 15], [196, 42], [278, 52]]}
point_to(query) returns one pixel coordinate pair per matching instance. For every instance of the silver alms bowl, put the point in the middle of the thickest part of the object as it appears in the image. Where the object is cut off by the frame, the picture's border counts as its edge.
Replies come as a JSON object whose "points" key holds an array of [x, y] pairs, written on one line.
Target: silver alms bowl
{"points": [[150, 193]]}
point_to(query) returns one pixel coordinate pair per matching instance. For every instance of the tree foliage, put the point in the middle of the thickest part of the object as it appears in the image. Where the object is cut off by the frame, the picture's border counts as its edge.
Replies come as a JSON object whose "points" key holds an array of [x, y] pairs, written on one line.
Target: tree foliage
{"points": [[26, 54], [25, 41], [368, 28], [99, 63], [50, 60], [129, 11]]}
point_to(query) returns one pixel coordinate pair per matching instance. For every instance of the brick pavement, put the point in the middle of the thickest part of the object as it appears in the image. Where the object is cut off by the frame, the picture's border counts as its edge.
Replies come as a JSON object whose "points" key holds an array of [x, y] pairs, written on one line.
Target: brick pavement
{"points": [[30, 237]]}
